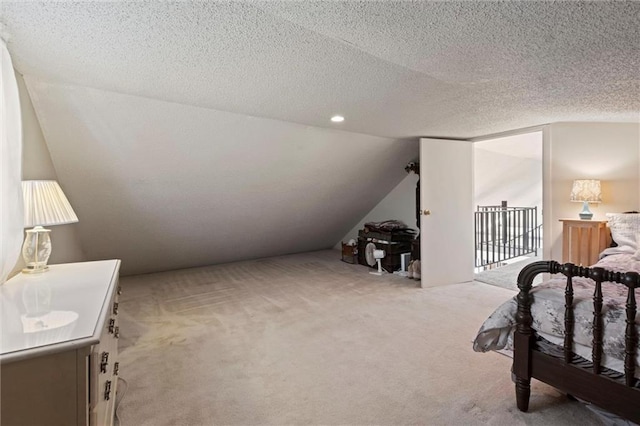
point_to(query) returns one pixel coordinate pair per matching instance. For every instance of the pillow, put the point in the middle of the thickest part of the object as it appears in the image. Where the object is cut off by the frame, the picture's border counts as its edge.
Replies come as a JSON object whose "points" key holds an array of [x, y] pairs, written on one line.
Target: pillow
{"points": [[625, 229]]}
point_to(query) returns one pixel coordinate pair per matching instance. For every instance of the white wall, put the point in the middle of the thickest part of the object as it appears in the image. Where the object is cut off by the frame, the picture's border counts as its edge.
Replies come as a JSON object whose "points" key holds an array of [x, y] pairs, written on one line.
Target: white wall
{"points": [[164, 186], [510, 169], [399, 204], [606, 151], [36, 165]]}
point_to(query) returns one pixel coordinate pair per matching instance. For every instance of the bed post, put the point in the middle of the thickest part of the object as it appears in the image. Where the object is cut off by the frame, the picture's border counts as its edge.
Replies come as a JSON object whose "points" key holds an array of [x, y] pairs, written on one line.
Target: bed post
{"points": [[631, 280], [523, 335]]}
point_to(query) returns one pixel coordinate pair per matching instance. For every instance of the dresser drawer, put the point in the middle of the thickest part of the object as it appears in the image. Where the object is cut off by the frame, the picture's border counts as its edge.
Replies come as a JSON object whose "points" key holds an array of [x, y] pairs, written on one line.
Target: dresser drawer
{"points": [[104, 366]]}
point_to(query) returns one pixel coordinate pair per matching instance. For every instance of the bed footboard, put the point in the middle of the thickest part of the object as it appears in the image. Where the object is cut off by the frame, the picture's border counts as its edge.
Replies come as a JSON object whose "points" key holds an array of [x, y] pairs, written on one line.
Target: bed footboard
{"points": [[526, 365]]}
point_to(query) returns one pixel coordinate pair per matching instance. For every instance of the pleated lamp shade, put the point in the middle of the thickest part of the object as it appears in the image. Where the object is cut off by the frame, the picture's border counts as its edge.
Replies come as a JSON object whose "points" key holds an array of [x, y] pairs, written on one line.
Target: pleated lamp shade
{"points": [[45, 204]]}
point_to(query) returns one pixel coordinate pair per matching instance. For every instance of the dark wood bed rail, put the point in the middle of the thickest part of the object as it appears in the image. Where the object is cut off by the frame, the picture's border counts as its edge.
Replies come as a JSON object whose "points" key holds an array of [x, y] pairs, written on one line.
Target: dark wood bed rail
{"points": [[523, 336]]}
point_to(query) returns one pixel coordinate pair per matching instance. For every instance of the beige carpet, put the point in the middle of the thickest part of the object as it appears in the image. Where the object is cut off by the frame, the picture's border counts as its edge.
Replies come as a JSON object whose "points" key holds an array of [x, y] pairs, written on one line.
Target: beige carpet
{"points": [[308, 339], [507, 276]]}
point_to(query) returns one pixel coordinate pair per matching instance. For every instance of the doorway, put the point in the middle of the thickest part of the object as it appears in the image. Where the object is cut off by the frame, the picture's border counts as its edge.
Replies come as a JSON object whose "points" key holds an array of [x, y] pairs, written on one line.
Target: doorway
{"points": [[508, 198]]}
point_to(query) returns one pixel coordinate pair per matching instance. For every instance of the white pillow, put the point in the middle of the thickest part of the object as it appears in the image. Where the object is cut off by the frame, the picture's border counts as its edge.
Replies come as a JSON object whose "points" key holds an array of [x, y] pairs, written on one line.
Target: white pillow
{"points": [[625, 229]]}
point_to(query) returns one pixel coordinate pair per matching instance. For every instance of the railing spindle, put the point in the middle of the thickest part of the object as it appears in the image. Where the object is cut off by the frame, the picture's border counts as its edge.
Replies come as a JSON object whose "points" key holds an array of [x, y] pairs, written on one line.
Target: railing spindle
{"points": [[504, 231], [508, 242], [534, 226], [525, 232], [493, 236], [518, 226]]}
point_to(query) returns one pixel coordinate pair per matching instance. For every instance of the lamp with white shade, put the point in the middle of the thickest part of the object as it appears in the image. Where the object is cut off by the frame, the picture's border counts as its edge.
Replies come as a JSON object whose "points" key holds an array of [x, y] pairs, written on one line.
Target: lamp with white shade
{"points": [[44, 205], [586, 191]]}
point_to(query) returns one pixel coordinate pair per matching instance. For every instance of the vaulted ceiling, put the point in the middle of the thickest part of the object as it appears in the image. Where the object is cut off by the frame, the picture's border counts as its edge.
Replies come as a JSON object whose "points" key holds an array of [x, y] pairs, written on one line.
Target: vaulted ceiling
{"points": [[189, 133]]}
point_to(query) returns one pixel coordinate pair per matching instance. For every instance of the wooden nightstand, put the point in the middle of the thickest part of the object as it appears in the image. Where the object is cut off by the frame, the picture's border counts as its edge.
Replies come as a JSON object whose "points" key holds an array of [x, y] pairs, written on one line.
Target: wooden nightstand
{"points": [[583, 240]]}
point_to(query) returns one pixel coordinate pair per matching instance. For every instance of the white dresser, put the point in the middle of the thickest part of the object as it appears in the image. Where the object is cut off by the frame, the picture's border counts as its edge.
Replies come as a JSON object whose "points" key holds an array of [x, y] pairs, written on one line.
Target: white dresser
{"points": [[59, 345]]}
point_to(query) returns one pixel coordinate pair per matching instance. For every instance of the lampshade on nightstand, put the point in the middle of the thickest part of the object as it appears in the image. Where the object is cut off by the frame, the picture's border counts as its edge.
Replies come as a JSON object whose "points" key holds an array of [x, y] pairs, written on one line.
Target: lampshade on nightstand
{"points": [[44, 205], [586, 191]]}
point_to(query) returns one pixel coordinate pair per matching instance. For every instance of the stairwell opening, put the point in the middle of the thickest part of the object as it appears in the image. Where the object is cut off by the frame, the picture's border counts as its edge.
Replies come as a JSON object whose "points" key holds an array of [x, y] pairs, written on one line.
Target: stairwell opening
{"points": [[508, 196]]}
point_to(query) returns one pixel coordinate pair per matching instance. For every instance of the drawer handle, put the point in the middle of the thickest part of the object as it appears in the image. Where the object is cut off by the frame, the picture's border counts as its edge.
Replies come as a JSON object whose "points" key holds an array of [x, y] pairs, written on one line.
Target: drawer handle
{"points": [[117, 332], [115, 308], [104, 362], [112, 325], [116, 368], [107, 390]]}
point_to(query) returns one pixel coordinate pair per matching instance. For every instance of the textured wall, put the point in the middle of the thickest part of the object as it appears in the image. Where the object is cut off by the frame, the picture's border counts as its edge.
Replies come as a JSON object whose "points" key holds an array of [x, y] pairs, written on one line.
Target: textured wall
{"points": [[163, 185]]}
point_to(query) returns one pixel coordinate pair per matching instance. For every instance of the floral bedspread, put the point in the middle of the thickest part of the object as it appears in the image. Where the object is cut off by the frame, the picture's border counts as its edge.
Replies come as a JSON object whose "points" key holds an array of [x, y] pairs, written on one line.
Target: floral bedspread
{"points": [[547, 310]]}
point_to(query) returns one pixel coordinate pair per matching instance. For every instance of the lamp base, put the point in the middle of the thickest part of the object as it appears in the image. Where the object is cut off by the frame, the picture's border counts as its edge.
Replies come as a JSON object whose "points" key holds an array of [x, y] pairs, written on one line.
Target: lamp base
{"points": [[36, 250], [585, 214]]}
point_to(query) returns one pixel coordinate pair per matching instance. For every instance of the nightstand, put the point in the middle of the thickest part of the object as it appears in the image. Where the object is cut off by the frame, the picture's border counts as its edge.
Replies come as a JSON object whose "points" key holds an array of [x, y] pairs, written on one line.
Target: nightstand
{"points": [[583, 240]]}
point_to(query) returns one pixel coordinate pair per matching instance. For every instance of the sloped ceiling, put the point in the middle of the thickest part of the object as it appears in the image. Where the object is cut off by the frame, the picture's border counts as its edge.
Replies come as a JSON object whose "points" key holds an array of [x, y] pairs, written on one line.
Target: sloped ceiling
{"points": [[190, 133], [168, 186]]}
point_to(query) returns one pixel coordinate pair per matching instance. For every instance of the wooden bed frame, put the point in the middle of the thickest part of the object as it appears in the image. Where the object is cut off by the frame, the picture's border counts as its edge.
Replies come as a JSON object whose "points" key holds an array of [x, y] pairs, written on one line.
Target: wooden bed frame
{"points": [[617, 396]]}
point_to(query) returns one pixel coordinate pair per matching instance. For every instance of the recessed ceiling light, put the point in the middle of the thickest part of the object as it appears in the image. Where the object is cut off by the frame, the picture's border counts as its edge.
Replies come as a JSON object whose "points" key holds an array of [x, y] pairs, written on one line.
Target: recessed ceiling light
{"points": [[337, 119]]}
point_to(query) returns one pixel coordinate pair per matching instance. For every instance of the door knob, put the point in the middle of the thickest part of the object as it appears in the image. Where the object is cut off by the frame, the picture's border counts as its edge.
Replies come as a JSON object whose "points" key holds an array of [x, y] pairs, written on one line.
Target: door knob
{"points": [[426, 212]]}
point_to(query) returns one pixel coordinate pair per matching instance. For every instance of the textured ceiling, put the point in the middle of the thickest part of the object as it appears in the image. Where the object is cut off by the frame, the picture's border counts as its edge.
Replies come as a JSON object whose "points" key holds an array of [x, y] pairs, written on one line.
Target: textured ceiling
{"points": [[193, 133], [394, 69]]}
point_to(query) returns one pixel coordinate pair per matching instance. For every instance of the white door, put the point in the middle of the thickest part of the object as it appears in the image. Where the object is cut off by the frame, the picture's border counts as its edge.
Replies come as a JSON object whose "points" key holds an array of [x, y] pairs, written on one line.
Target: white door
{"points": [[446, 206]]}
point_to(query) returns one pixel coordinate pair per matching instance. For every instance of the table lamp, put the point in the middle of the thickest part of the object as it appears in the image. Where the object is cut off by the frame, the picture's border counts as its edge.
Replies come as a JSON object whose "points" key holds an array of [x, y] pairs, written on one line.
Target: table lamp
{"points": [[44, 205], [586, 191]]}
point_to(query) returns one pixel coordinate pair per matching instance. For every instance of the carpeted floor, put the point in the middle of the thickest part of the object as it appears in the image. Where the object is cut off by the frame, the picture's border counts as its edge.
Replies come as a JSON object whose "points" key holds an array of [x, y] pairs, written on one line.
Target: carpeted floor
{"points": [[506, 276], [307, 339]]}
